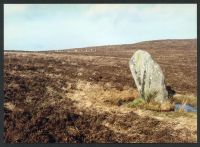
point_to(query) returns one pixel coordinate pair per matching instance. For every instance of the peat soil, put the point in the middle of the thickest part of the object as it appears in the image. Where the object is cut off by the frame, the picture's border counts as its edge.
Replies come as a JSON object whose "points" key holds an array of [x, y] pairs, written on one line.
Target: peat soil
{"points": [[73, 96]]}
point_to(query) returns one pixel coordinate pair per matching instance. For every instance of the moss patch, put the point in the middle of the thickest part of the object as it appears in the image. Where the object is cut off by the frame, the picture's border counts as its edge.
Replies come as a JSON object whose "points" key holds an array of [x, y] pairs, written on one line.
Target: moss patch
{"points": [[137, 102]]}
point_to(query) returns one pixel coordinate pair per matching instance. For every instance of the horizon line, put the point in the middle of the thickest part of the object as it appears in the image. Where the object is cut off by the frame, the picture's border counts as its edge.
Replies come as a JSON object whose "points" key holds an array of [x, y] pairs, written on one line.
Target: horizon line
{"points": [[22, 50]]}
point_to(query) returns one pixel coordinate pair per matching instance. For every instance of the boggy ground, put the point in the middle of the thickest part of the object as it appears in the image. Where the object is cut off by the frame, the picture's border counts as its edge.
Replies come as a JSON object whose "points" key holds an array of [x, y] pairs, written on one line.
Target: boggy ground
{"points": [[82, 96]]}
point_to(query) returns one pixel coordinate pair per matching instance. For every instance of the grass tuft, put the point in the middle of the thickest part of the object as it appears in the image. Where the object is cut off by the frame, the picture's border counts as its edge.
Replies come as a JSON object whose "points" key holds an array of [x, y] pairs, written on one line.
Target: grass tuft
{"points": [[150, 96], [151, 104], [137, 102], [185, 99]]}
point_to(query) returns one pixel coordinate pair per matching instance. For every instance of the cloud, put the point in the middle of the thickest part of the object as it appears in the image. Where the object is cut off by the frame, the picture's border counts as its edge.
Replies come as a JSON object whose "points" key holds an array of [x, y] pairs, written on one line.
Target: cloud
{"points": [[10, 9], [49, 26]]}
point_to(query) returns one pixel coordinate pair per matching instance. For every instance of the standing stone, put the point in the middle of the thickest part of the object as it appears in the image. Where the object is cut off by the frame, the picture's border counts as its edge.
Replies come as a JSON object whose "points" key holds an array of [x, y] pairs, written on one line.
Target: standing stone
{"points": [[148, 76]]}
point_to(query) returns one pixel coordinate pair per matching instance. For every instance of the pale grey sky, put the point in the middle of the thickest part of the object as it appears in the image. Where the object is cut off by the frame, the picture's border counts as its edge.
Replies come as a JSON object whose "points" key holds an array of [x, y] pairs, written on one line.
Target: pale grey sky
{"points": [[61, 26]]}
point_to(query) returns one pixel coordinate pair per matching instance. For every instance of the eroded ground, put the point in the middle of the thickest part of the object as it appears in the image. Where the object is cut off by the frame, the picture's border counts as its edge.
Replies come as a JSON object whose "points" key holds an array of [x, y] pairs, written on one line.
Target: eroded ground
{"points": [[82, 96]]}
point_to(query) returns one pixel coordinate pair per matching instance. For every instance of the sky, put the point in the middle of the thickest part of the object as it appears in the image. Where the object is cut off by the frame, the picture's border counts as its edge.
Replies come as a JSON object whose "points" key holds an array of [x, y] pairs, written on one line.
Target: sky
{"points": [[37, 27]]}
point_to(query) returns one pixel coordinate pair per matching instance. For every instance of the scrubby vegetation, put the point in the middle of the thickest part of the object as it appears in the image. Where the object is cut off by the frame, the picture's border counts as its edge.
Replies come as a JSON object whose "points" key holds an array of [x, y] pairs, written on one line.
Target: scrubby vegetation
{"points": [[168, 105], [185, 99], [79, 97]]}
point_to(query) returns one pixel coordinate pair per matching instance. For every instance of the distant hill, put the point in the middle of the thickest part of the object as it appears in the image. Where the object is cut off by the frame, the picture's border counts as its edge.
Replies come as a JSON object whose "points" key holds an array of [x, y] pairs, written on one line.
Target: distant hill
{"points": [[126, 50], [168, 44]]}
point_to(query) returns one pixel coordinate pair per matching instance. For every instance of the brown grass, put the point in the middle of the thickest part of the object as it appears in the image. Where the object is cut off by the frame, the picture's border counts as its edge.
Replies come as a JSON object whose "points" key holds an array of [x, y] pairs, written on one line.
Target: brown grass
{"points": [[185, 99], [80, 97], [155, 106], [152, 105], [167, 105]]}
